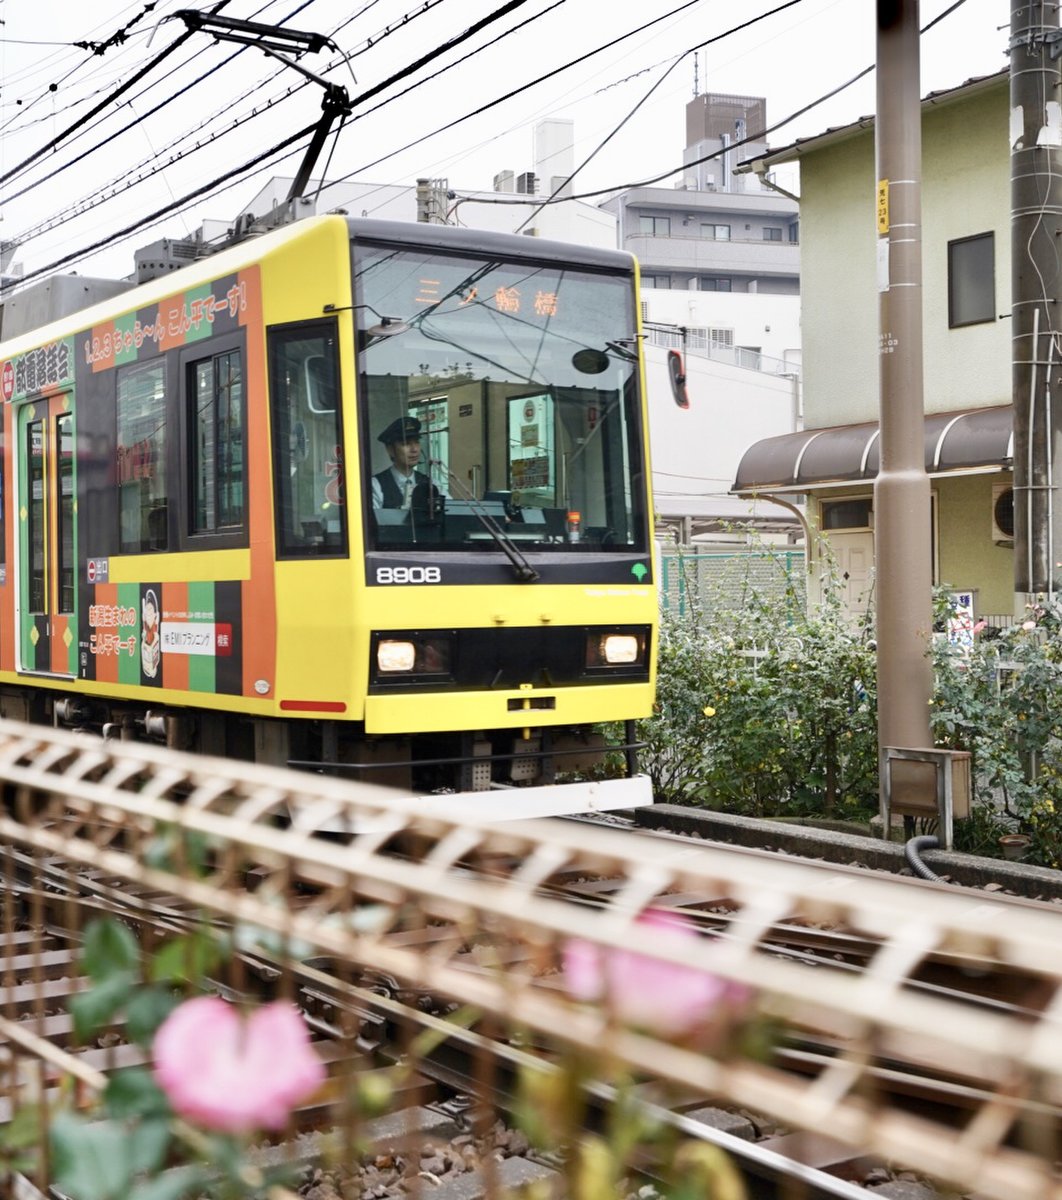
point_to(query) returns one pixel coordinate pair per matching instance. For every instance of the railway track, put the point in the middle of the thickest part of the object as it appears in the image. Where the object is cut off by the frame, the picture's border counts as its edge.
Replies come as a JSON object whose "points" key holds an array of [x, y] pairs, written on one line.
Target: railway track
{"points": [[921, 1024], [434, 1118]]}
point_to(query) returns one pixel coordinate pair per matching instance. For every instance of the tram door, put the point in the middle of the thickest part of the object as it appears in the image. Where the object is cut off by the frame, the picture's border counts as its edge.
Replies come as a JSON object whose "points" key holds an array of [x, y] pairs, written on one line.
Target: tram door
{"points": [[47, 537]]}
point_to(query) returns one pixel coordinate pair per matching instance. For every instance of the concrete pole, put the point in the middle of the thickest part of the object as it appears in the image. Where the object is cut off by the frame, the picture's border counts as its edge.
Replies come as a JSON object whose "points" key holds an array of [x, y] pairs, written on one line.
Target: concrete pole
{"points": [[902, 513], [1036, 280]]}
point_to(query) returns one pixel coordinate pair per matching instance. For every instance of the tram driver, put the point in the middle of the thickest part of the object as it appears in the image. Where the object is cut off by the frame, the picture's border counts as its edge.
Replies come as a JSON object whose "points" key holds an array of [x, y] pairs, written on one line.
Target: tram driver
{"points": [[401, 485]]}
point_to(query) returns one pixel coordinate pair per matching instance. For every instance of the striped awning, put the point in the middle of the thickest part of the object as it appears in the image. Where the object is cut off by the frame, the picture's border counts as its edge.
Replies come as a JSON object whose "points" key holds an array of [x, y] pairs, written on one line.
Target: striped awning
{"points": [[979, 439]]}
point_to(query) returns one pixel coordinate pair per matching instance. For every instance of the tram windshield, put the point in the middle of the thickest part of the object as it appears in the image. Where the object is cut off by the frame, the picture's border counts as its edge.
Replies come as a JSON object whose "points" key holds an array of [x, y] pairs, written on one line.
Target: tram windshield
{"points": [[498, 393]]}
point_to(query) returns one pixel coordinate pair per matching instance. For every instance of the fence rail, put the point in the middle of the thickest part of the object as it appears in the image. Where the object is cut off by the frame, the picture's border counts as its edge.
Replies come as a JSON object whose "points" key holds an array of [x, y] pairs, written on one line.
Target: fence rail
{"points": [[703, 582], [100, 808]]}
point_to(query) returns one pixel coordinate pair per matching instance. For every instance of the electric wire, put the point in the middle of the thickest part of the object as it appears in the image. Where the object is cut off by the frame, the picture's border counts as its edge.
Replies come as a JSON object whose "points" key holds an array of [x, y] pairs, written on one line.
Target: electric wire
{"points": [[759, 135], [517, 91], [120, 90], [54, 86], [287, 142], [82, 206], [170, 99], [217, 184], [157, 83], [604, 142], [85, 207]]}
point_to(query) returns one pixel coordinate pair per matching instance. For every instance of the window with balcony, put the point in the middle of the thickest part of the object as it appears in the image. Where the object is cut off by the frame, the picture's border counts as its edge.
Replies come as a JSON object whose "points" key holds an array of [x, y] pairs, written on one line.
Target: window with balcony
{"points": [[717, 233], [656, 281], [971, 280], [715, 283], [654, 226], [772, 233]]}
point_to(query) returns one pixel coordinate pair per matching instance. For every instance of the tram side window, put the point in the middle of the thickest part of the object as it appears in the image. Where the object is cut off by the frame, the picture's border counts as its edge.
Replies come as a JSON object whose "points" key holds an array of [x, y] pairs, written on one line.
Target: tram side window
{"points": [[308, 460], [142, 494], [216, 428], [35, 522]]}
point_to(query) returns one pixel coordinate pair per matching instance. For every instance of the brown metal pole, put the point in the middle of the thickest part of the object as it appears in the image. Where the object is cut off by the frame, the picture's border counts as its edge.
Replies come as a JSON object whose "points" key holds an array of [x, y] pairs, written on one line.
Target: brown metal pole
{"points": [[901, 492], [1036, 280]]}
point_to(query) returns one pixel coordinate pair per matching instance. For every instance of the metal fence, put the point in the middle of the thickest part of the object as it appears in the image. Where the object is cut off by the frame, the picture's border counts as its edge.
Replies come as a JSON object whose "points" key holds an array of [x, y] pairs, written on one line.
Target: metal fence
{"points": [[706, 582], [437, 905]]}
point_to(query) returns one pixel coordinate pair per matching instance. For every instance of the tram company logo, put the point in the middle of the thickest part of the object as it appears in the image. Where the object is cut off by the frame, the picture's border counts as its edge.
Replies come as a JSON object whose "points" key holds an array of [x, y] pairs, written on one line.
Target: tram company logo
{"points": [[7, 380]]}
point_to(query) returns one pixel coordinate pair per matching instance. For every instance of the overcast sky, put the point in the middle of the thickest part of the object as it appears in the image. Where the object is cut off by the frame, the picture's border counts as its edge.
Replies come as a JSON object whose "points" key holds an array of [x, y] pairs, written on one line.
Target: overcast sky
{"points": [[792, 58]]}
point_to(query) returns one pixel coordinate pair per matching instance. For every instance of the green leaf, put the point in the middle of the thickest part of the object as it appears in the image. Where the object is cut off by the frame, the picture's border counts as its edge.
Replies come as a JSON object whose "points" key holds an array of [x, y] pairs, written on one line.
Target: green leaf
{"points": [[148, 1143], [173, 1185], [110, 947], [146, 1011], [89, 1161], [133, 1092], [185, 959], [23, 1130], [99, 1004]]}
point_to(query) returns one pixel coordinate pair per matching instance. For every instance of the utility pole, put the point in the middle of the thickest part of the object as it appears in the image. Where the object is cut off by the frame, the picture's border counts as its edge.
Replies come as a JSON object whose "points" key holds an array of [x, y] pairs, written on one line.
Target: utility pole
{"points": [[432, 198], [1036, 282], [902, 516]]}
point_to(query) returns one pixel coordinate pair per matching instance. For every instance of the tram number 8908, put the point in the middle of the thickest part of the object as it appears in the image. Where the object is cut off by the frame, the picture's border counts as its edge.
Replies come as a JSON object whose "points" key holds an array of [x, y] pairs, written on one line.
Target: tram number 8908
{"points": [[408, 575]]}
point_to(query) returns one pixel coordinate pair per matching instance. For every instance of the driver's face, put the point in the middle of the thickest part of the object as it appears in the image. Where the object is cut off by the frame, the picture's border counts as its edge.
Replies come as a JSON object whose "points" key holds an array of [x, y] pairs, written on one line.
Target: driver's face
{"points": [[406, 455]]}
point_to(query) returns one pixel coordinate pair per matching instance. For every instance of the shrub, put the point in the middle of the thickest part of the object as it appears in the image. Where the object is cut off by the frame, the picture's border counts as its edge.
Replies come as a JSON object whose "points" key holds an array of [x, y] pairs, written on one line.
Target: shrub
{"points": [[762, 707], [765, 709], [998, 700]]}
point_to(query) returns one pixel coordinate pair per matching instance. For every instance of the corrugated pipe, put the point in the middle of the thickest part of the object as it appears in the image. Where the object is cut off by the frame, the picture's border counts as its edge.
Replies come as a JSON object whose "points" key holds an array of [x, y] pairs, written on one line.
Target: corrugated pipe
{"points": [[911, 851]]}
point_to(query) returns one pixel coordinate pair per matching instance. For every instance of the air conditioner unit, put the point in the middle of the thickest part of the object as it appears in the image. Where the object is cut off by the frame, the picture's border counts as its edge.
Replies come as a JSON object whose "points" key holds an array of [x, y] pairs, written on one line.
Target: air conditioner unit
{"points": [[1002, 514]]}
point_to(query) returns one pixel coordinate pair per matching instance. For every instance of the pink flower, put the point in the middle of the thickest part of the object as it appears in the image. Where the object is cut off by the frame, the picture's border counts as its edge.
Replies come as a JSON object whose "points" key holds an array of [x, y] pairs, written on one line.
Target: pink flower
{"points": [[1028, 624], [979, 626], [661, 997], [235, 1075]]}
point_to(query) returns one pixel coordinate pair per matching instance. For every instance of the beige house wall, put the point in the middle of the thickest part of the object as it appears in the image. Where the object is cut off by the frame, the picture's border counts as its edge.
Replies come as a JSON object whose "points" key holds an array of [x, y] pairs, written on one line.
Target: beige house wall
{"points": [[966, 555], [965, 191]]}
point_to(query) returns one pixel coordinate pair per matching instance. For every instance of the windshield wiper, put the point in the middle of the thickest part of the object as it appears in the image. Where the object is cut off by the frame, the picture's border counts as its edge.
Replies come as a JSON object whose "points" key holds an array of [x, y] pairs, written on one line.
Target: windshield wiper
{"points": [[524, 571]]}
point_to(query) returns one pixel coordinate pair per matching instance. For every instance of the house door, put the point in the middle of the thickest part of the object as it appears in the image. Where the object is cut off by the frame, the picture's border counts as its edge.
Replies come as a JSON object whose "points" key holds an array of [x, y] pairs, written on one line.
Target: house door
{"points": [[47, 542], [848, 523], [854, 552]]}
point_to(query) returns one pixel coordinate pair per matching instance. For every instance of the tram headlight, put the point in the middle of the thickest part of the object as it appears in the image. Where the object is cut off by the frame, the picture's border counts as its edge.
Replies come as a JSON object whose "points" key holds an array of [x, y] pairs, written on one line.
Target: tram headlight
{"points": [[417, 654], [616, 648], [620, 648], [395, 656]]}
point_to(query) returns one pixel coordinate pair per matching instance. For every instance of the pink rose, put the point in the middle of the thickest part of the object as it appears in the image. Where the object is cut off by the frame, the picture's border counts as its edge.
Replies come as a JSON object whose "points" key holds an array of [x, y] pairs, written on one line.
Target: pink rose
{"points": [[235, 1075], [661, 997]]}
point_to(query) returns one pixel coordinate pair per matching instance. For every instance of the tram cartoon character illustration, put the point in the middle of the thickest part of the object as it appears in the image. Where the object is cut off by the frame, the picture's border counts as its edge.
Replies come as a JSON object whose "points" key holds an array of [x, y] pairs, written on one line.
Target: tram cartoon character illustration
{"points": [[150, 644]]}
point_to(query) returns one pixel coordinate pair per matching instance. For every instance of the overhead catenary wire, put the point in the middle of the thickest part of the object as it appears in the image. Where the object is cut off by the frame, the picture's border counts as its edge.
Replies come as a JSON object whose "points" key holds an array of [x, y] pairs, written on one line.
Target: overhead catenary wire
{"points": [[258, 111], [277, 153], [208, 188], [759, 135], [517, 91], [53, 87], [119, 91], [692, 50], [108, 191], [286, 143], [138, 119], [514, 3]]}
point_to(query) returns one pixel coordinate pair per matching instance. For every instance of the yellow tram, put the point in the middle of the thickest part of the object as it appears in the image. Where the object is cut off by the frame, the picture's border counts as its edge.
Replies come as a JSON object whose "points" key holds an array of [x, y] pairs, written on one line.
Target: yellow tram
{"points": [[363, 495]]}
